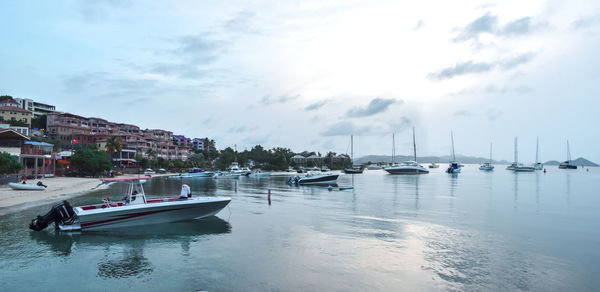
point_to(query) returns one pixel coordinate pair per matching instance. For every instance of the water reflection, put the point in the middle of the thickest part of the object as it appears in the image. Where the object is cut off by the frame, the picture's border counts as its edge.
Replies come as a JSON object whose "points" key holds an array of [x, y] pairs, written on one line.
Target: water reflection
{"points": [[62, 242], [132, 263]]}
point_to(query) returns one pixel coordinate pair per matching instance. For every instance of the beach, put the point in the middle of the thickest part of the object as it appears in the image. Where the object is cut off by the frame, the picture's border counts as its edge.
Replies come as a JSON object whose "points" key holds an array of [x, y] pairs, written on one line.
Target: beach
{"points": [[59, 188]]}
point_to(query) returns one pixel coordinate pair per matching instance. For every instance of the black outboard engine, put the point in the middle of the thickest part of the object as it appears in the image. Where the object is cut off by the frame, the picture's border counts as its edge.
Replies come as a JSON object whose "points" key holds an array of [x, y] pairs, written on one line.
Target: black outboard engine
{"points": [[60, 213], [41, 184]]}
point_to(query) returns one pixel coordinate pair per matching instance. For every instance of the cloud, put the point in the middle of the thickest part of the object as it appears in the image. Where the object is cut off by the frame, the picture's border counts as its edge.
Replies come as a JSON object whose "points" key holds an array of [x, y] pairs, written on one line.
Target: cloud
{"points": [[493, 114], [419, 25], [181, 70], [517, 27], [399, 125], [239, 129], [97, 10], [199, 49], [517, 60], [315, 106], [461, 69], [488, 23], [347, 128], [463, 113], [268, 100], [241, 23], [481, 67], [377, 105], [586, 22]]}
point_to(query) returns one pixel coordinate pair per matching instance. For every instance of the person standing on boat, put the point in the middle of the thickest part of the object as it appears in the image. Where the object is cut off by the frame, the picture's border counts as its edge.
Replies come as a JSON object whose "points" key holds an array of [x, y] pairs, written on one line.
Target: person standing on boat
{"points": [[185, 192]]}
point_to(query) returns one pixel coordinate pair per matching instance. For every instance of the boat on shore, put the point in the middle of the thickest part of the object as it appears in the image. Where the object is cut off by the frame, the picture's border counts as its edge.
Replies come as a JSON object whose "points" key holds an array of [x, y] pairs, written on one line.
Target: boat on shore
{"points": [[407, 167], [26, 187], [567, 164], [133, 209], [454, 167]]}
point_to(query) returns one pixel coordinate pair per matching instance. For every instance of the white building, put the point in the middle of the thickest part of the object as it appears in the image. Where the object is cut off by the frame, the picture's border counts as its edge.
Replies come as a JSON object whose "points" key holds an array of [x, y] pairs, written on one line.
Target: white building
{"points": [[37, 108]]}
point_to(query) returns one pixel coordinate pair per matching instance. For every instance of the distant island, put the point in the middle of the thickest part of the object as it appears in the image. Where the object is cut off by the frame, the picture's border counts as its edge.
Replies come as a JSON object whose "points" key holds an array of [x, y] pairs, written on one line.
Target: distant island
{"points": [[462, 158]]}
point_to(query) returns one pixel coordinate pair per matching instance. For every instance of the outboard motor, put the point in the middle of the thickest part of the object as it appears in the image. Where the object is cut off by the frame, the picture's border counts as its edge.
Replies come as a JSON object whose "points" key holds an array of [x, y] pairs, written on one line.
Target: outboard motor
{"points": [[60, 213], [41, 184]]}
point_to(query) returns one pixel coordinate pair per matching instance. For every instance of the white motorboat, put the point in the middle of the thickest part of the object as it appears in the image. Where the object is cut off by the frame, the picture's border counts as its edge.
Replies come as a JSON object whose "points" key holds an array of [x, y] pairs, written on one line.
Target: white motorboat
{"points": [[407, 167], [314, 177], [433, 165], [454, 167], [373, 167], [135, 209], [205, 174], [259, 173], [26, 187], [488, 165], [149, 171]]}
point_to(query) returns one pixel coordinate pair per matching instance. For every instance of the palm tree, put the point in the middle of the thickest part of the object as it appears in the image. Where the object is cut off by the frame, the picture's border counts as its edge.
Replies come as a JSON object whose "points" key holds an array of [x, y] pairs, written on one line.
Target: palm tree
{"points": [[114, 144], [151, 154]]}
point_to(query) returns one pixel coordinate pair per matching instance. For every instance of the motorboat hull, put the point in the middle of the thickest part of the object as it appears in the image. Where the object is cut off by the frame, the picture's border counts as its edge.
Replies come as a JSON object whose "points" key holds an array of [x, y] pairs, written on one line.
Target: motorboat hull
{"points": [[486, 167], [353, 171], [25, 187], [524, 169], [319, 179], [406, 170], [154, 212]]}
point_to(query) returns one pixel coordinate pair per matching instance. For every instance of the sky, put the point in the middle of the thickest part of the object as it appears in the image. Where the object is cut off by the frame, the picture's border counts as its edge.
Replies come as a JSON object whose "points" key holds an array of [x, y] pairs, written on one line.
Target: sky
{"points": [[308, 74]]}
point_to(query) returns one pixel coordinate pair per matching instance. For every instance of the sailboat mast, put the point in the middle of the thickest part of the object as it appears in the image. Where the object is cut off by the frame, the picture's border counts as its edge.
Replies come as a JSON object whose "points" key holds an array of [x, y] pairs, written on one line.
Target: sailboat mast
{"points": [[452, 138], [490, 153], [568, 153], [537, 149], [516, 156], [352, 148], [414, 145], [393, 148]]}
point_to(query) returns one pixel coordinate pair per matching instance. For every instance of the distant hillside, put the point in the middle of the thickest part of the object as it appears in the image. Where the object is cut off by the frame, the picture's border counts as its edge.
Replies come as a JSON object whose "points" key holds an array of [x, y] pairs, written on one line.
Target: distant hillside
{"points": [[462, 158], [425, 159], [579, 161]]}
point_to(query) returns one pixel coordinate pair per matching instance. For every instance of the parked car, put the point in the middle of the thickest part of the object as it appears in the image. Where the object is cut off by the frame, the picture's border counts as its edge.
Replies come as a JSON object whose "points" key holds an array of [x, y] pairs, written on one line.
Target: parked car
{"points": [[149, 171]]}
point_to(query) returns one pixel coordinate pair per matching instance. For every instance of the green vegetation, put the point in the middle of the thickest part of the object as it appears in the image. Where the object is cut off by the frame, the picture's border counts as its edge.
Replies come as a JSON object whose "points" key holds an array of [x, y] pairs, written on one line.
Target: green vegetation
{"points": [[13, 123], [90, 160], [8, 164], [113, 144], [5, 97], [39, 122]]}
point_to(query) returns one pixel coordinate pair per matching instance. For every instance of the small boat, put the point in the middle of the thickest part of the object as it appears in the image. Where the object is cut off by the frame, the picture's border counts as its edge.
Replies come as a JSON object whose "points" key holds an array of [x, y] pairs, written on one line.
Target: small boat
{"points": [[301, 170], [515, 164], [314, 168], [567, 164], [433, 165], [195, 172], [346, 188], [523, 168], [290, 169], [353, 170], [325, 169], [314, 178], [488, 165], [149, 171], [454, 167], [373, 167], [259, 173], [133, 210], [26, 187]]}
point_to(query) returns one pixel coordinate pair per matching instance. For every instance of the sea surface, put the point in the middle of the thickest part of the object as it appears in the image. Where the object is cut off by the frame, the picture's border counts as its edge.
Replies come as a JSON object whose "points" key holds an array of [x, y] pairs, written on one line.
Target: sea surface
{"points": [[477, 231]]}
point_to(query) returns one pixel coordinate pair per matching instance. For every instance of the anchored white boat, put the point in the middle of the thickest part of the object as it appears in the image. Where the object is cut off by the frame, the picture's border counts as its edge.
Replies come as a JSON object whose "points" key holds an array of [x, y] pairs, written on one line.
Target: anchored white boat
{"points": [[135, 209], [519, 167], [567, 164], [488, 165], [514, 165], [433, 165], [353, 169], [454, 167], [408, 167], [314, 177], [538, 165]]}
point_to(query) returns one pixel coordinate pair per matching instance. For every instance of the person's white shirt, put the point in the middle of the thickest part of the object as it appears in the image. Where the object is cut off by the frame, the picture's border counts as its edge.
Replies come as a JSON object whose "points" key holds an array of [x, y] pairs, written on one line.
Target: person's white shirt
{"points": [[185, 191]]}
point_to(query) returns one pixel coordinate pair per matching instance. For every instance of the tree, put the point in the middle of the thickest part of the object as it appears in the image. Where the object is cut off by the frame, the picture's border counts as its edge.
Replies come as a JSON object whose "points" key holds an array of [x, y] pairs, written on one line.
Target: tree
{"points": [[5, 97], [8, 164], [90, 160], [39, 122], [15, 123], [113, 144]]}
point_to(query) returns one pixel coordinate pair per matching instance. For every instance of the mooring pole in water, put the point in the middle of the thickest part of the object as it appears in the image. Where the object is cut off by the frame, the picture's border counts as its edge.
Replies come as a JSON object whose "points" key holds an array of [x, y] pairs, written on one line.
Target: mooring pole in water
{"points": [[269, 196], [236, 186], [544, 170]]}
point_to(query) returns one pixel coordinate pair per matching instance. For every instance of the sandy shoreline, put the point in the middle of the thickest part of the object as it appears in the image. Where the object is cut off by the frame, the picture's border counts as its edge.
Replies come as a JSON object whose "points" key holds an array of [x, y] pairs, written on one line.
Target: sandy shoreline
{"points": [[59, 188]]}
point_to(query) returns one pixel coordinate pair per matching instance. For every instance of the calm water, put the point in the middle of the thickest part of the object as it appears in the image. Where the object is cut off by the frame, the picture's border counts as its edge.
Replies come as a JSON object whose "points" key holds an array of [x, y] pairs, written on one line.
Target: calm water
{"points": [[476, 231]]}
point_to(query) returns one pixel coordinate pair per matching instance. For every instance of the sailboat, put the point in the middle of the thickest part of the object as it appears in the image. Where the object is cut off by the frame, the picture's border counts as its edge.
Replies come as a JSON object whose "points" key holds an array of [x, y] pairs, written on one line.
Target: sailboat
{"points": [[353, 170], [538, 165], [454, 166], [519, 167], [515, 163], [488, 165], [567, 164], [408, 167]]}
